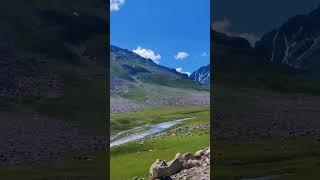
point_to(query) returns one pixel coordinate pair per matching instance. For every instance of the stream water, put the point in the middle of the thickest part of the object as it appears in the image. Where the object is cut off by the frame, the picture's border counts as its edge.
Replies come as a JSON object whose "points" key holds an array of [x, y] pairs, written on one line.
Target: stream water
{"points": [[155, 128]]}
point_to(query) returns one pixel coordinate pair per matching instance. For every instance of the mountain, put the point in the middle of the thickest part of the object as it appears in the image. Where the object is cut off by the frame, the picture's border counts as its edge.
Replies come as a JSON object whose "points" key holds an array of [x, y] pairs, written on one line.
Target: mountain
{"points": [[230, 41], [129, 66], [52, 82], [56, 28], [137, 82], [236, 67], [48, 43], [295, 43], [202, 75]]}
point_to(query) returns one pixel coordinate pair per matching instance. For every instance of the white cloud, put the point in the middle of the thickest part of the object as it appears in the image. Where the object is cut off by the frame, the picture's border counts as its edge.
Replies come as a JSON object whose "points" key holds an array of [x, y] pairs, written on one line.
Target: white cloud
{"points": [[147, 53], [116, 4], [181, 55], [204, 54], [224, 25], [179, 69]]}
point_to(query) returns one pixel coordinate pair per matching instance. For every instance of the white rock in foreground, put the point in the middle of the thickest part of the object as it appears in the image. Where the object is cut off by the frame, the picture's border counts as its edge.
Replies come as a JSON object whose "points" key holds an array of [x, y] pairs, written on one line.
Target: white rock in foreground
{"points": [[187, 165]]}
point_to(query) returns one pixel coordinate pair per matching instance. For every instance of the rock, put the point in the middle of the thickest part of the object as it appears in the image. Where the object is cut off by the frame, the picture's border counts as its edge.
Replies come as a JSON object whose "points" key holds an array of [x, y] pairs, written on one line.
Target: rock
{"points": [[207, 152], [183, 166], [158, 169], [161, 169], [176, 164], [191, 163], [188, 156], [199, 153], [195, 168]]}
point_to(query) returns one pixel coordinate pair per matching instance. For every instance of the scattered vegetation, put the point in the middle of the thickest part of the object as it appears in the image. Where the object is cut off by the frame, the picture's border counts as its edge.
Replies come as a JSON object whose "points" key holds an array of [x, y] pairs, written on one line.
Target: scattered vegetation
{"points": [[291, 157], [126, 121], [82, 166], [134, 158]]}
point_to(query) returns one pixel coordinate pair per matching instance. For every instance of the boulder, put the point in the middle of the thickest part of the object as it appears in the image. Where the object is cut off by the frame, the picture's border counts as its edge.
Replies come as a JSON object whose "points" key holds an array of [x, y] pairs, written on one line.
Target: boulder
{"points": [[187, 156], [199, 154], [162, 170], [176, 164], [191, 163], [159, 169]]}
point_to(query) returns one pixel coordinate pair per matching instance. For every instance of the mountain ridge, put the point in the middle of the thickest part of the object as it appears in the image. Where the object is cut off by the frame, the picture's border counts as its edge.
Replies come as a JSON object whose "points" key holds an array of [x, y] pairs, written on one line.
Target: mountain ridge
{"points": [[295, 43], [202, 75], [130, 66]]}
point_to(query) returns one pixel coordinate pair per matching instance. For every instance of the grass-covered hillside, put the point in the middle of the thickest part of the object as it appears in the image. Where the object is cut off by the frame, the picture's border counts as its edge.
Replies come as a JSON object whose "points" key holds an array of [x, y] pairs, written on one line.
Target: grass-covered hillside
{"points": [[144, 95], [50, 50], [46, 26], [137, 83], [132, 67], [53, 88], [267, 123], [246, 68]]}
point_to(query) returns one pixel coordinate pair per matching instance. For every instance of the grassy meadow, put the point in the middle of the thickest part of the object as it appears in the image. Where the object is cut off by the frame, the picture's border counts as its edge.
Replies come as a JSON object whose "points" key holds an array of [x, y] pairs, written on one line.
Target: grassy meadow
{"points": [[134, 159], [292, 158], [65, 168]]}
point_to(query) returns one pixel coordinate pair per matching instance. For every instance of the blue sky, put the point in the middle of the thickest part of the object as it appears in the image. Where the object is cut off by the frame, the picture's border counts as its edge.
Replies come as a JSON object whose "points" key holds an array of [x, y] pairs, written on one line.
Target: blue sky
{"points": [[174, 33]]}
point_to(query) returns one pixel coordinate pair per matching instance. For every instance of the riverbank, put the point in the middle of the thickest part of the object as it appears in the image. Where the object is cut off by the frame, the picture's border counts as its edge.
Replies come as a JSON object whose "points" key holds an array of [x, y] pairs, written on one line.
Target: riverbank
{"points": [[153, 115], [139, 132], [133, 159]]}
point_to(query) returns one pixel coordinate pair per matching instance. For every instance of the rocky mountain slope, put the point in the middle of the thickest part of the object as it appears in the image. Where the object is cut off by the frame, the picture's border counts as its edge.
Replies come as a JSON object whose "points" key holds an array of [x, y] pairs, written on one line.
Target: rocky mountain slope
{"points": [[228, 41], [295, 43], [132, 67], [46, 39], [285, 59], [52, 73], [271, 80], [136, 81], [248, 67], [202, 75]]}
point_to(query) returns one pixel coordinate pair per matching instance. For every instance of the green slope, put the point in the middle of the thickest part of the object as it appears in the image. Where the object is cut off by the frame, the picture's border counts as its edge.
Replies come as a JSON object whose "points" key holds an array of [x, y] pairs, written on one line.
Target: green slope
{"points": [[64, 42], [249, 70], [129, 66], [45, 26], [241, 78]]}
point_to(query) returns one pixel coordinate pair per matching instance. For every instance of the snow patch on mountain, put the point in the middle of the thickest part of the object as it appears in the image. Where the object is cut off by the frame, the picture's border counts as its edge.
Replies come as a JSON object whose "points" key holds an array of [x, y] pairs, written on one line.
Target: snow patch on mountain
{"points": [[202, 75]]}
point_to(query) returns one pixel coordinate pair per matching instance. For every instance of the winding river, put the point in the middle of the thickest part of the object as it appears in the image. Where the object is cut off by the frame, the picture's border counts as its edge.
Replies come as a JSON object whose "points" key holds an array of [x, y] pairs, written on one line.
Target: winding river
{"points": [[155, 128]]}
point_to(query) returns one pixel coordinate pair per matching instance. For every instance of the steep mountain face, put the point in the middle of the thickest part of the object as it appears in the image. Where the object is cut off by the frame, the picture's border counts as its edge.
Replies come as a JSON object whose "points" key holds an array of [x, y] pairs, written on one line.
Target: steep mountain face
{"points": [[56, 28], [202, 75], [47, 41], [129, 66], [252, 68], [228, 41], [295, 43], [52, 79], [118, 54]]}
